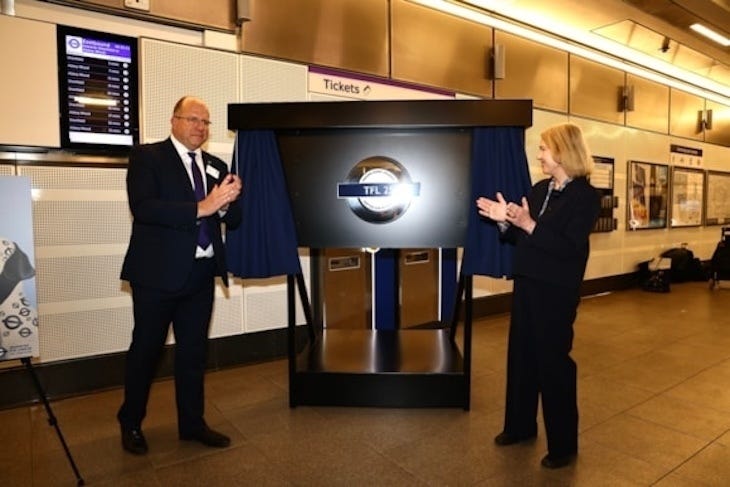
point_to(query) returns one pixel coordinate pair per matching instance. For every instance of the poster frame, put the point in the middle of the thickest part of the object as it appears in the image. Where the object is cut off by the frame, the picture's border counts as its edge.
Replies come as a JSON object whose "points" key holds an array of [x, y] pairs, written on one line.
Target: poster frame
{"points": [[677, 190], [717, 182], [647, 195]]}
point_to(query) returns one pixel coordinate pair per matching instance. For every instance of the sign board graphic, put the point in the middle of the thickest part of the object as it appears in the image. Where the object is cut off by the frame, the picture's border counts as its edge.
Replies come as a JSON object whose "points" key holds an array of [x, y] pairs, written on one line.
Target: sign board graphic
{"points": [[18, 305]]}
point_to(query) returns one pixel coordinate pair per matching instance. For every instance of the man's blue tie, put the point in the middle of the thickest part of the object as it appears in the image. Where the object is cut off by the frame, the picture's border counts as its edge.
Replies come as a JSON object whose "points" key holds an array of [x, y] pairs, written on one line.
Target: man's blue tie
{"points": [[199, 187]]}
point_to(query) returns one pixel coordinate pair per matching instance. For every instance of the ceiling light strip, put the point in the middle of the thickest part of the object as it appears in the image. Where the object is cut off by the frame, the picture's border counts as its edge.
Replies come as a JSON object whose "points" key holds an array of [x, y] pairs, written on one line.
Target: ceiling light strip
{"points": [[645, 66], [710, 34]]}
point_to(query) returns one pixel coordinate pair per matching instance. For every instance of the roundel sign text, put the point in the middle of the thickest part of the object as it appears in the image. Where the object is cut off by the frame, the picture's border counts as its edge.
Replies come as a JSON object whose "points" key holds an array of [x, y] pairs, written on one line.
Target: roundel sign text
{"points": [[378, 189]]}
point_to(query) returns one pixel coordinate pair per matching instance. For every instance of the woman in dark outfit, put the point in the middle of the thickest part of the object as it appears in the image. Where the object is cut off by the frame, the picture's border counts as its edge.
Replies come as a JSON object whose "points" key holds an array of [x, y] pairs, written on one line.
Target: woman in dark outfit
{"points": [[550, 228]]}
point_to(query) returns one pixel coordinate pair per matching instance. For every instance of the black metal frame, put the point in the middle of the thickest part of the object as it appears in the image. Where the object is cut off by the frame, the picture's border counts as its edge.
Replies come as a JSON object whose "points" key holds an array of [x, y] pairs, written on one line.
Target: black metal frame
{"points": [[311, 382]]}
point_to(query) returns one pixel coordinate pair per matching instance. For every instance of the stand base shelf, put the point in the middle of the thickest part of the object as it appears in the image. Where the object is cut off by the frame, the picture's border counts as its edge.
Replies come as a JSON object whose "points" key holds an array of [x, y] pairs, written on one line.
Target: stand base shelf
{"points": [[381, 368]]}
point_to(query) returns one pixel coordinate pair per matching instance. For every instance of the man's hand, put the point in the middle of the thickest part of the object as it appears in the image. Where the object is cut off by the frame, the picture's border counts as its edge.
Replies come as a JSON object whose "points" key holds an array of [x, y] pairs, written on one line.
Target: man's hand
{"points": [[220, 196]]}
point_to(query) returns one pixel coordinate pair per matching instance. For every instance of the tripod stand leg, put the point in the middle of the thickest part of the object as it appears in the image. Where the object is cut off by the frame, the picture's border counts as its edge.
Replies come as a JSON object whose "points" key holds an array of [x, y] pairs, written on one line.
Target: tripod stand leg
{"points": [[51, 418]]}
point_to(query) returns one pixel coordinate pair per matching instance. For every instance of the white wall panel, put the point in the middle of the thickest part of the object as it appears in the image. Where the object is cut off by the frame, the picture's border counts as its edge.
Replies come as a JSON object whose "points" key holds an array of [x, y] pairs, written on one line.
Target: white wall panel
{"points": [[81, 226], [84, 333], [7, 170], [265, 307], [29, 74], [78, 278], [265, 300], [170, 71], [227, 317], [267, 80], [78, 206]]}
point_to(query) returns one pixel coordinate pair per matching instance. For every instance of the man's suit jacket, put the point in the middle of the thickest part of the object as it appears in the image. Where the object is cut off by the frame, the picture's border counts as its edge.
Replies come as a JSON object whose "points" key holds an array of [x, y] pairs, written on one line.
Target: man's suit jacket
{"points": [[557, 250], [164, 209]]}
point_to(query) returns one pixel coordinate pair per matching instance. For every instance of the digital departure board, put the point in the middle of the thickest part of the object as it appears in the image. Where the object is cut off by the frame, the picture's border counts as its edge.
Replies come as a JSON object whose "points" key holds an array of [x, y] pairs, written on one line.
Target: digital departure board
{"points": [[97, 74]]}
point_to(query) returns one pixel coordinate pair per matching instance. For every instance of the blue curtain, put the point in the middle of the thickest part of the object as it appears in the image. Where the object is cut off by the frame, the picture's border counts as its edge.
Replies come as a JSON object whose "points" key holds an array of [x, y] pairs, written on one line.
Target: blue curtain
{"points": [[498, 164], [265, 243]]}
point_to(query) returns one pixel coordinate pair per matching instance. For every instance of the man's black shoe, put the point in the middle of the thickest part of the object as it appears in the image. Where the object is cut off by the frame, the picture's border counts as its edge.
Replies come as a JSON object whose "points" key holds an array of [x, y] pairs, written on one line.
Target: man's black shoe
{"points": [[208, 437], [133, 441], [550, 461], [505, 439]]}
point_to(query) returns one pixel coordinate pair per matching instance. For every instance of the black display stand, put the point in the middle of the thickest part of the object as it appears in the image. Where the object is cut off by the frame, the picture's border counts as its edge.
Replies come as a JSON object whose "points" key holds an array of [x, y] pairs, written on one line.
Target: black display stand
{"points": [[424, 366], [384, 368], [51, 417]]}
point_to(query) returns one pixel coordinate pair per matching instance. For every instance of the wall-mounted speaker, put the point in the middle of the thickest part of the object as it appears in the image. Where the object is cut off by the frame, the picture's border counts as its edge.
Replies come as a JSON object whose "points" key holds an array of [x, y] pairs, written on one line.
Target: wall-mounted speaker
{"points": [[243, 11], [704, 120], [708, 120], [498, 61], [627, 98]]}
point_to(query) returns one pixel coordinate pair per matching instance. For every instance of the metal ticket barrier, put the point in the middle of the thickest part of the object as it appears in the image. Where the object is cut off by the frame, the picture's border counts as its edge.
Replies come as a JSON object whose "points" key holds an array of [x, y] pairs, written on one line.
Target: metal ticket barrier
{"points": [[418, 271], [347, 288]]}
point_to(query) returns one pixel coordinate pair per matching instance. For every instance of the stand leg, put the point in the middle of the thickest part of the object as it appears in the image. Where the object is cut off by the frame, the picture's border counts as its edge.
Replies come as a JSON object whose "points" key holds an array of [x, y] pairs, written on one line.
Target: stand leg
{"points": [[468, 305], [301, 286], [457, 306], [51, 418], [291, 340]]}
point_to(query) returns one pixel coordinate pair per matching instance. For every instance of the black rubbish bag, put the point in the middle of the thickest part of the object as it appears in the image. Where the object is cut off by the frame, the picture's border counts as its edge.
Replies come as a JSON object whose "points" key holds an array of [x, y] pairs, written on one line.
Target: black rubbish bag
{"points": [[658, 282], [654, 275], [685, 266]]}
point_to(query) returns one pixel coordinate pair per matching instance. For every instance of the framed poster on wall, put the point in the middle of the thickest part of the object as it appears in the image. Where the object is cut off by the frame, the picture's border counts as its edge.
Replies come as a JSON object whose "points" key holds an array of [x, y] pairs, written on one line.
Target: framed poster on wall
{"points": [[718, 194], [688, 197], [648, 195]]}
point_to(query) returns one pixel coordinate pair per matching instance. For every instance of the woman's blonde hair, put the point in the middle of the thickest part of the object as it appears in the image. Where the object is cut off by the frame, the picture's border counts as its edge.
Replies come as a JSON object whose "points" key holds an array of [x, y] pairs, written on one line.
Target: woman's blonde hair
{"points": [[569, 148]]}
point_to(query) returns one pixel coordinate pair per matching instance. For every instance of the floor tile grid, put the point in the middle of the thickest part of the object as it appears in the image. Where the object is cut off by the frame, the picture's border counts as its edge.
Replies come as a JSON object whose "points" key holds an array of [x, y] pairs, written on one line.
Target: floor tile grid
{"points": [[653, 397]]}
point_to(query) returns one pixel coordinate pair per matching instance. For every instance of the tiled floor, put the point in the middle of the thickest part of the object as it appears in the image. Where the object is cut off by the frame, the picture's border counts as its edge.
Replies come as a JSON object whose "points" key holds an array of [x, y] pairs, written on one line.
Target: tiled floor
{"points": [[654, 398]]}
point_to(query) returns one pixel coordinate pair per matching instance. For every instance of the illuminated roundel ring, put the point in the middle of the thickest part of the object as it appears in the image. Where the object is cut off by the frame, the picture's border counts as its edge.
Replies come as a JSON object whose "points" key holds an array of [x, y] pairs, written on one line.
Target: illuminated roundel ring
{"points": [[378, 189]]}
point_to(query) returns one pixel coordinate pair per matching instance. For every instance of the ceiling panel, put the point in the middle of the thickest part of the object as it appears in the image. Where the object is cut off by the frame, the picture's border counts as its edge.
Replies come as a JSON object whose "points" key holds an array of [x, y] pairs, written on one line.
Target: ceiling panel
{"points": [[659, 28]]}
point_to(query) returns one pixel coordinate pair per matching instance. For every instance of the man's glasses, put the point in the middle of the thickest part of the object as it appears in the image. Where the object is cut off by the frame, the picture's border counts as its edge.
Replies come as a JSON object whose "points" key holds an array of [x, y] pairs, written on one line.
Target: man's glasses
{"points": [[194, 120]]}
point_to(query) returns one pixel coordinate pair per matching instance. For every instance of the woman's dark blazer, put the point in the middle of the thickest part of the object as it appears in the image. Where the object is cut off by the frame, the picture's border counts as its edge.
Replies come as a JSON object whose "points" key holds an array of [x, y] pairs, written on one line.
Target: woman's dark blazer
{"points": [[164, 209], [557, 250]]}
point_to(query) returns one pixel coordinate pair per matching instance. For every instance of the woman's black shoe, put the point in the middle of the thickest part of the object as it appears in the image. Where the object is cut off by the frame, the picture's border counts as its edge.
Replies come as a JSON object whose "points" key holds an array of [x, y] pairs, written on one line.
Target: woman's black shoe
{"points": [[505, 439], [549, 461]]}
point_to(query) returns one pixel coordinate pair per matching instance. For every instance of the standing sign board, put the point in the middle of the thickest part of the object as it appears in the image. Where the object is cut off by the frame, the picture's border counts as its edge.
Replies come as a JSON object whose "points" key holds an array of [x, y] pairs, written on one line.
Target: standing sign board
{"points": [[387, 174], [18, 305]]}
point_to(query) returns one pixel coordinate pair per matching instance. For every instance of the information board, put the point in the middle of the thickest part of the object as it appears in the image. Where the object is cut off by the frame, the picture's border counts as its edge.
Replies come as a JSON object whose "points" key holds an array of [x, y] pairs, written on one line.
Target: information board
{"points": [[98, 89]]}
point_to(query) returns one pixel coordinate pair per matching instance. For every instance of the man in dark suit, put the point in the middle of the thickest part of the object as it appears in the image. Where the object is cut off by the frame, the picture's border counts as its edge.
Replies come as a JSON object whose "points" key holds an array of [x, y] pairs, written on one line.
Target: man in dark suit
{"points": [[178, 196]]}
